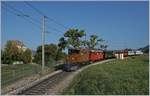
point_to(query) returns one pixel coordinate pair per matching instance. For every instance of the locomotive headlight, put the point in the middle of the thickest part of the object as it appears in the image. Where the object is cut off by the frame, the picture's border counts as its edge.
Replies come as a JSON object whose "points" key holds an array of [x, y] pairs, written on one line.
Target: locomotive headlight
{"points": [[72, 58]]}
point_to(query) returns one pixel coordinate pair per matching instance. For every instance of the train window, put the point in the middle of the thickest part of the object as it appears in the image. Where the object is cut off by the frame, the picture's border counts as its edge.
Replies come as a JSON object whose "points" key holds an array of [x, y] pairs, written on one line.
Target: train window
{"points": [[82, 53], [73, 51]]}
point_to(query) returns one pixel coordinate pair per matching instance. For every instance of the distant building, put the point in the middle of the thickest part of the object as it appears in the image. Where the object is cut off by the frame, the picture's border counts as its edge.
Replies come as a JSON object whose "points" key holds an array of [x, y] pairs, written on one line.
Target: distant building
{"points": [[19, 45]]}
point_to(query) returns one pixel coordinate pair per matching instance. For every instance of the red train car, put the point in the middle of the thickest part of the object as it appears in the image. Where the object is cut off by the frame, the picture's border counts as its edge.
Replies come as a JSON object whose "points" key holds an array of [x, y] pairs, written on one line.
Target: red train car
{"points": [[96, 55]]}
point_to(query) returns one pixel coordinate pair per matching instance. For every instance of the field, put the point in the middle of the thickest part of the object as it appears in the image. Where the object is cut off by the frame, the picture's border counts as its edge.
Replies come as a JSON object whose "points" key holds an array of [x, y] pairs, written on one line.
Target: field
{"points": [[11, 73], [120, 77]]}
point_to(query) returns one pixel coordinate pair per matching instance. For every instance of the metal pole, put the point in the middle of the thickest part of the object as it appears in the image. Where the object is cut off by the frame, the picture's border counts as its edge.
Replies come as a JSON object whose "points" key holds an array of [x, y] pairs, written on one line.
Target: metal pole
{"points": [[43, 39]]}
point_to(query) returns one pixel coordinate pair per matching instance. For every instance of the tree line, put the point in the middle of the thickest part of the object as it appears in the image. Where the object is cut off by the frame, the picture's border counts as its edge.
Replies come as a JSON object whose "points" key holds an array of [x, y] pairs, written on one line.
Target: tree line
{"points": [[72, 38]]}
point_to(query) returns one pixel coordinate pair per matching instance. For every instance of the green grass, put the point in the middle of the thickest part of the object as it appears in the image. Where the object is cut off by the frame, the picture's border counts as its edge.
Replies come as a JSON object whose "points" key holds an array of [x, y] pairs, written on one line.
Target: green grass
{"points": [[10, 74], [122, 77]]}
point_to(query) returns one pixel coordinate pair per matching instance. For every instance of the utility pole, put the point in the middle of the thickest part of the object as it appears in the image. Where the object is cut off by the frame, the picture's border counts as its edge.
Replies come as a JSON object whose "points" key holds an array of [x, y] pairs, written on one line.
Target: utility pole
{"points": [[43, 40]]}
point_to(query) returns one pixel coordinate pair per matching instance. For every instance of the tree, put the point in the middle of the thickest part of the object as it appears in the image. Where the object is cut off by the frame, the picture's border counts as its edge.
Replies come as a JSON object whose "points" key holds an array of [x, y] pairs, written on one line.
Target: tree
{"points": [[145, 49], [93, 41], [62, 43], [27, 56], [11, 52], [14, 51], [2, 56], [73, 37], [61, 46], [51, 50], [128, 49], [103, 47]]}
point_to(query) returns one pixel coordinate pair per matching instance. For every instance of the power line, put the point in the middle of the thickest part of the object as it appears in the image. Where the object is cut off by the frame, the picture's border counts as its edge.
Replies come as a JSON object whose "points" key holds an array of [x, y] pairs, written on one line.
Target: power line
{"points": [[41, 13], [46, 25], [55, 29], [38, 11], [9, 10], [37, 21], [11, 7], [22, 15], [31, 18], [50, 19]]}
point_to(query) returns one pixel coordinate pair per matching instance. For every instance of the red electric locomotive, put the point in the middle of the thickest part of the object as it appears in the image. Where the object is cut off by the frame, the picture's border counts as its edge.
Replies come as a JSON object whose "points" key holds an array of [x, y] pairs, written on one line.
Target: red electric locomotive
{"points": [[76, 58], [80, 57]]}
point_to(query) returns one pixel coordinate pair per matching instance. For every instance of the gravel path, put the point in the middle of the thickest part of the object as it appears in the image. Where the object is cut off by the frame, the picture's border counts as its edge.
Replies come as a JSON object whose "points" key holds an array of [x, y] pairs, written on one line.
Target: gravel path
{"points": [[58, 88]]}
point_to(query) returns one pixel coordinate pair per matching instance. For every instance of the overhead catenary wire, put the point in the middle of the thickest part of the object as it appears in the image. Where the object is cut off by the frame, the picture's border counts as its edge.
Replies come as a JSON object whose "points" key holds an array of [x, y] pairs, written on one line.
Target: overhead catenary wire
{"points": [[32, 20], [16, 13], [12, 12], [9, 10], [49, 27], [41, 13]]}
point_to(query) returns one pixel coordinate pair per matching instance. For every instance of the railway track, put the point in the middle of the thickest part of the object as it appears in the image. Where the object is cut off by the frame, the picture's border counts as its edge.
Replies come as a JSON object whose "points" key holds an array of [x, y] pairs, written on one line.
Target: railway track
{"points": [[42, 87]]}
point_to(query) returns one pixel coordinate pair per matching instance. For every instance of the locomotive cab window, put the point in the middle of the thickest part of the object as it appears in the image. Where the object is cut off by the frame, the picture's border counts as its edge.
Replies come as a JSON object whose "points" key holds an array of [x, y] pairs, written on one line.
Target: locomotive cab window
{"points": [[72, 51]]}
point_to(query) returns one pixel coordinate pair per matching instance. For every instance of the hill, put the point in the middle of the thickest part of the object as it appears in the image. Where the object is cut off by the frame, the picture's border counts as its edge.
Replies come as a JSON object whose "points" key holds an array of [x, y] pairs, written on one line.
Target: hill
{"points": [[120, 77]]}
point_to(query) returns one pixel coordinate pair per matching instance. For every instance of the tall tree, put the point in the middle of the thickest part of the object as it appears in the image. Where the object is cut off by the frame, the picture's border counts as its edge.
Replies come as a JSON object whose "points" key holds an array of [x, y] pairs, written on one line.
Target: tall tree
{"points": [[51, 51], [73, 37], [12, 52], [93, 41], [62, 43], [27, 56], [61, 46], [103, 46]]}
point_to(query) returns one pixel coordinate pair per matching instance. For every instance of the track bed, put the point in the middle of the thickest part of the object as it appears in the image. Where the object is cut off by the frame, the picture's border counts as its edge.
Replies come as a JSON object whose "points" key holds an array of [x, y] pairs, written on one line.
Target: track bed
{"points": [[43, 86]]}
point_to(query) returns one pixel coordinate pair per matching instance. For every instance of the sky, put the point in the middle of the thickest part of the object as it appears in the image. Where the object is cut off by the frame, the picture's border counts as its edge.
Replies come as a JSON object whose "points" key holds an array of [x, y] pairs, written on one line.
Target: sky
{"points": [[123, 24]]}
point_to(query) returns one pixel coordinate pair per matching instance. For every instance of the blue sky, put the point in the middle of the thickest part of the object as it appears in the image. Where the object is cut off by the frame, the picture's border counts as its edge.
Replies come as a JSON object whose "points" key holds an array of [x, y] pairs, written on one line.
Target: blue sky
{"points": [[122, 24]]}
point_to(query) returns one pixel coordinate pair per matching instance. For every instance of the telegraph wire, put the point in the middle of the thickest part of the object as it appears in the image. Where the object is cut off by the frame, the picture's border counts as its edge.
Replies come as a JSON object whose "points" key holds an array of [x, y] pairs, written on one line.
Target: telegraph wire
{"points": [[41, 13], [15, 12], [38, 23], [11, 7], [49, 27], [38, 11], [9, 10], [19, 16]]}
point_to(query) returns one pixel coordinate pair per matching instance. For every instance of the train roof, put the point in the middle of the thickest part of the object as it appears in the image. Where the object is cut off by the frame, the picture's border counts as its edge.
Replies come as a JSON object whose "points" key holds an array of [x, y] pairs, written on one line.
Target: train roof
{"points": [[92, 50], [96, 50]]}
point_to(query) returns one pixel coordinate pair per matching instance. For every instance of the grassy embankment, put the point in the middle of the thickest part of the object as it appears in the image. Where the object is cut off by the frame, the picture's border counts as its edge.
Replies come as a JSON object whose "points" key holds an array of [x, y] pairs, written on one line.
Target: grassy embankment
{"points": [[11, 73], [128, 76]]}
